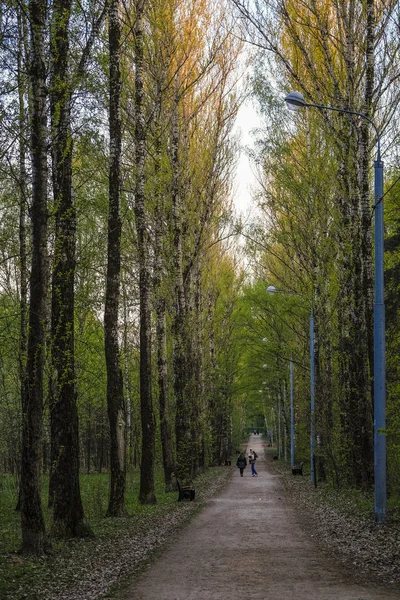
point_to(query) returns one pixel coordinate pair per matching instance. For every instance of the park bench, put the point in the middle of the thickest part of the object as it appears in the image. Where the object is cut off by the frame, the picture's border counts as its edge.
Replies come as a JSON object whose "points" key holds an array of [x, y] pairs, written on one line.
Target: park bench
{"points": [[186, 491], [298, 469]]}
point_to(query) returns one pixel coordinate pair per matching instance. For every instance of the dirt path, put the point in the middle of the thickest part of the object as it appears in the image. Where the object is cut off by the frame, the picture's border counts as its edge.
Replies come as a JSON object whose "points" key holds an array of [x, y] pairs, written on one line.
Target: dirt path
{"points": [[247, 543]]}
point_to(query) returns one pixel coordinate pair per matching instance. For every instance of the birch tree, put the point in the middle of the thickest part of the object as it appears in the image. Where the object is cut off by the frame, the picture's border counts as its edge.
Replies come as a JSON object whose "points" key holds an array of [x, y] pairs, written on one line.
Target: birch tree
{"points": [[147, 494], [34, 539]]}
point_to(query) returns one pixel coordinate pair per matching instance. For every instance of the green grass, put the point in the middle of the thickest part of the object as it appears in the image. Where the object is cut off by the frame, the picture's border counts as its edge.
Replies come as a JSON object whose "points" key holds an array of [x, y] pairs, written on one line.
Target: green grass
{"points": [[20, 577], [351, 501], [94, 491], [10, 534], [356, 502]]}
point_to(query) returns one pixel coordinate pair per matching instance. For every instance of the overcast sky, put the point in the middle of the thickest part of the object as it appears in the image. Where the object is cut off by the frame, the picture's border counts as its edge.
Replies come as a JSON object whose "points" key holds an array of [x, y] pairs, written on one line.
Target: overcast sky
{"points": [[247, 120]]}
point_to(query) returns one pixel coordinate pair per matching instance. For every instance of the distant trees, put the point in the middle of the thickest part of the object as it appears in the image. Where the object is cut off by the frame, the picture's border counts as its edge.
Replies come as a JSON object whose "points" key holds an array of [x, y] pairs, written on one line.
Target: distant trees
{"points": [[317, 197]]}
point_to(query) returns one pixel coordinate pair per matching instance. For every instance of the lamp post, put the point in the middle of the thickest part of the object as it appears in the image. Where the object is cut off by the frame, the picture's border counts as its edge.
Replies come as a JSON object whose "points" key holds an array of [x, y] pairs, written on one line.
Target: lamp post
{"points": [[295, 100], [271, 289]]}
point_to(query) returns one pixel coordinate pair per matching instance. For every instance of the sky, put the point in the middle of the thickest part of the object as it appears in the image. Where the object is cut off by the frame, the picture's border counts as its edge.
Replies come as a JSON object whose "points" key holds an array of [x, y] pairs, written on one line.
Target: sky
{"points": [[247, 120]]}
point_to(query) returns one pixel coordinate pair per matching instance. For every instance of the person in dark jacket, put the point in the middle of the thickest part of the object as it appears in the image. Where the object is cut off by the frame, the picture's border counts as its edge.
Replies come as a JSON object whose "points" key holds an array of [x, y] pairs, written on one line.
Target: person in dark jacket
{"points": [[241, 463]]}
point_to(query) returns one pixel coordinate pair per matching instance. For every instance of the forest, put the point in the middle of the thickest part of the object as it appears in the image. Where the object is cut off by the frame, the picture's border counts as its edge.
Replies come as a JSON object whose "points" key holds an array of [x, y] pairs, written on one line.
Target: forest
{"points": [[138, 341]]}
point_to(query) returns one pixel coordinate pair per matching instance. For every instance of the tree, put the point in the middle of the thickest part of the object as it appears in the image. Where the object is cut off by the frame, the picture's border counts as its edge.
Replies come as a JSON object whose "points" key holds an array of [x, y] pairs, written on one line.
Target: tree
{"points": [[147, 494], [115, 393], [34, 539], [68, 515], [331, 56]]}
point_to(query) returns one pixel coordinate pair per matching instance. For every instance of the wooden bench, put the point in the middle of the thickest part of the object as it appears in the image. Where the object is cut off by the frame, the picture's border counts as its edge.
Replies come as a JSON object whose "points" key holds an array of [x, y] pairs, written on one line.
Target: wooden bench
{"points": [[186, 491], [298, 469]]}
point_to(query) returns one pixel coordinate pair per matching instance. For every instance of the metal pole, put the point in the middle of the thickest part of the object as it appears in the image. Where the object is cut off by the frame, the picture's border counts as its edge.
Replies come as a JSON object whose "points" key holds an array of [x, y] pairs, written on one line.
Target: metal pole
{"points": [[291, 416], [379, 352], [379, 319], [312, 386]]}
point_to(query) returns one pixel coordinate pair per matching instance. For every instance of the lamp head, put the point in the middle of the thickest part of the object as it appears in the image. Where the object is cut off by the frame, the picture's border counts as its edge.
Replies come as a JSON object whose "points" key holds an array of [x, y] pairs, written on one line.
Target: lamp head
{"points": [[271, 289], [295, 100], [265, 340]]}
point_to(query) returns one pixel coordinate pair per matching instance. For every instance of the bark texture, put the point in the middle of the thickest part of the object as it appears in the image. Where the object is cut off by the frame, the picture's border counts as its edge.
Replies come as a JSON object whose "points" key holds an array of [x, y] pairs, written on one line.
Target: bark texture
{"points": [[115, 393], [34, 540], [23, 195], [161, 311], [68, 515], [180, 356], [147, 492]]}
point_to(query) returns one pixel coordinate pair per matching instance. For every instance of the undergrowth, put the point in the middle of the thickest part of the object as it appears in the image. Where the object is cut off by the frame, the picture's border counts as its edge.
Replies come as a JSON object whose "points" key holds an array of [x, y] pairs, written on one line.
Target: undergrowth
{"points": [[22, 578]]}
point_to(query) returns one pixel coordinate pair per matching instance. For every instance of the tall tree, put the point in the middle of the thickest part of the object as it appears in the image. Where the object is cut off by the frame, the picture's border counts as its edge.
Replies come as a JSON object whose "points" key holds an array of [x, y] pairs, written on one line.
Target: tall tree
{"points": [[115, 393], [160, 292], [68, 515], [331, 54], [34, 539], [147, 492], [181, 356], [23, 194]]}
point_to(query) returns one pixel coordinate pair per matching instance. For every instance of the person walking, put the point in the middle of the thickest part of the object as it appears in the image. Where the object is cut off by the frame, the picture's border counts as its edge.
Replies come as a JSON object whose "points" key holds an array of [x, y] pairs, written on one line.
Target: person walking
{"points": [[252, 462], [241, 463]]}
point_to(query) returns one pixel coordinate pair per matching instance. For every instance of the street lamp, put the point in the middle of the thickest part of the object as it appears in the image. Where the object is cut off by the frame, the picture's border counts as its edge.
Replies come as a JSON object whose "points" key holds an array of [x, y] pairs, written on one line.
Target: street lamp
{"points": [[271, 289], [296, 100]]}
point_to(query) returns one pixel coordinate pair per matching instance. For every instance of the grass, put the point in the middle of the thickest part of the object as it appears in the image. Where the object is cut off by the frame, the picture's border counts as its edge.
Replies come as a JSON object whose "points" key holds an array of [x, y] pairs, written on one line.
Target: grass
{"points": [[18, 574], [20, 577], [94, 491], [351, 501], [356, 502]]}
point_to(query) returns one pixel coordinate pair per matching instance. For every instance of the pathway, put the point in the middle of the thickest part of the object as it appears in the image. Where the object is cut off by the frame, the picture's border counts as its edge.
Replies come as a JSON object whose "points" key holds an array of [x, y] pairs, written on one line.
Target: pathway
{"points": [[247, 544]]}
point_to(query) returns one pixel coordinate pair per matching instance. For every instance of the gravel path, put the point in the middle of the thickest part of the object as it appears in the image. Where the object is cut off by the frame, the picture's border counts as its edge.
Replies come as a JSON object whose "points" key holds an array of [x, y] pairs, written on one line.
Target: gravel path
{"points": [[249, 543]]}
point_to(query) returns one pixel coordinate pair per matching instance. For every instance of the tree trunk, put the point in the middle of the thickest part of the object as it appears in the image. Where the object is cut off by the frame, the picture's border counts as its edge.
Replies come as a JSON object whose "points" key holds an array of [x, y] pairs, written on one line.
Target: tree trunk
{"points": [[147, 492], [127, 383], [115, 386], [34, 540], [68, 515], [89, 440], [366, 440], [180, 358], [161, 322], [200, 413], [365, 158], [166, 437], [212, 386], [23, 191], [355, 389]]}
